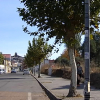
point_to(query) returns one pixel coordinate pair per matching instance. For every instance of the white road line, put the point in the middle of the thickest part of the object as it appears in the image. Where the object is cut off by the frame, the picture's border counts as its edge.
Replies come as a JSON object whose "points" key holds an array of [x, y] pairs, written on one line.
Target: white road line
{"points": [[29, 96]]}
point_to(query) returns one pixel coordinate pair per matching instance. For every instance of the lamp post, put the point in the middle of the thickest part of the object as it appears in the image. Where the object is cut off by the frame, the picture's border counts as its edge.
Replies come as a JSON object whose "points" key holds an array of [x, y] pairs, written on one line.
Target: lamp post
{"points": [[87, 51]]}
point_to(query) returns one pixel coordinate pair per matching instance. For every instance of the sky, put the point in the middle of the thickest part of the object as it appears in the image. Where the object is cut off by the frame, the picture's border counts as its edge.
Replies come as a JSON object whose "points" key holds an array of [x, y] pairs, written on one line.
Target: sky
{"points": [[12, 37]]}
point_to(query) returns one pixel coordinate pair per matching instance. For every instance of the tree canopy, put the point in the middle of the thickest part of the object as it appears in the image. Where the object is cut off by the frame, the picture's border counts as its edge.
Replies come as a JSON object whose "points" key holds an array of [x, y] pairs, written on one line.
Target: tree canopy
{"points": [[60, 18], [37, 51], [94, 48], [62, 61], [1, 59]]}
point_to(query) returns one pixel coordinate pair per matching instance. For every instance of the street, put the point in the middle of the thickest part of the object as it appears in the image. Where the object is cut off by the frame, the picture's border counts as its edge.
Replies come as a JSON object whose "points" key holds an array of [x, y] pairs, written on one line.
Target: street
{"points": [[16, 86]]}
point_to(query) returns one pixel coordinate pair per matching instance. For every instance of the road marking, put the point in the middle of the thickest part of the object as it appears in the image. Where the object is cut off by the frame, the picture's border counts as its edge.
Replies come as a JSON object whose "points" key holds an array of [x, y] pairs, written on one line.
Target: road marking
{"points": [[29, 96]]}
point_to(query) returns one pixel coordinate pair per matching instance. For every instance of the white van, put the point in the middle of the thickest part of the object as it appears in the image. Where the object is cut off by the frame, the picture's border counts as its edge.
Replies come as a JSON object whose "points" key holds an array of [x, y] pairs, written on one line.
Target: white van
{"points": [[2, 71]]}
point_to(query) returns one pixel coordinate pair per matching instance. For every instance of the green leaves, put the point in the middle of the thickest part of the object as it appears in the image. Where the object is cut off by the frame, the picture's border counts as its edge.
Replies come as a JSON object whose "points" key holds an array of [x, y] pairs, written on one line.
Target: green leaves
{"points": [[1, 59], [58, 18], [37, 51], [94, 47]]}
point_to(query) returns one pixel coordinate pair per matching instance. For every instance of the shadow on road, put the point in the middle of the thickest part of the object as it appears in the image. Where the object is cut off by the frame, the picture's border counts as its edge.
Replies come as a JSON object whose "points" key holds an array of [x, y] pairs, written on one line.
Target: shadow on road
{"points": [[10, 78]]}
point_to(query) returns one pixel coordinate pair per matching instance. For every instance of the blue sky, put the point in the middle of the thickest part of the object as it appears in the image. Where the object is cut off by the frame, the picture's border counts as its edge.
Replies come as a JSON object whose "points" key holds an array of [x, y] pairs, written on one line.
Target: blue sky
{"points": [[12, 37]]}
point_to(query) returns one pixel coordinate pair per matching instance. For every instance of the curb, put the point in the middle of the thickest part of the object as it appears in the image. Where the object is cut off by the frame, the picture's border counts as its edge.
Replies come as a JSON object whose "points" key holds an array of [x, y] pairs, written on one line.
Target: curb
{"points": [[49, 94]]}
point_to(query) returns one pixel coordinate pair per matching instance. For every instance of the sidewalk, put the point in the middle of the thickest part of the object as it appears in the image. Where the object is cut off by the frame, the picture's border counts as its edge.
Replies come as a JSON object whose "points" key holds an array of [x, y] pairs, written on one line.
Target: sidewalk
{"points": [[59, 88]]}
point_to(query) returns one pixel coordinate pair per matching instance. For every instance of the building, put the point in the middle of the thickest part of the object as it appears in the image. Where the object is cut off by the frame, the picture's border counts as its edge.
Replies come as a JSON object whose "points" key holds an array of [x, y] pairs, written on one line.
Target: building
{"points": [[45, 61], [7, 62], [17, 61]]}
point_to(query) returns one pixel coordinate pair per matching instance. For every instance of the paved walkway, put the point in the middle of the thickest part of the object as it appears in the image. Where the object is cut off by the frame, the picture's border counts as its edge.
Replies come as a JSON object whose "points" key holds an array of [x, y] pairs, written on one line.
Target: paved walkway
{"points": [[59, 87]]}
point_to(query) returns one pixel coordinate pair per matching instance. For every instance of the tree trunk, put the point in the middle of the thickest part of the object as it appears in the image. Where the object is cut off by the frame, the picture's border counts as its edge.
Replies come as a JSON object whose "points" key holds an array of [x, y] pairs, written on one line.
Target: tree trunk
{"points": [[39, 70], [73, 84], [64, 69], [34, 70]]}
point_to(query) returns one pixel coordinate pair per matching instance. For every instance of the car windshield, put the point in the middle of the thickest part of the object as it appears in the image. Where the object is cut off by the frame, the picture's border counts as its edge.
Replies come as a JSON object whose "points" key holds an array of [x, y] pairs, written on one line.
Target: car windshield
{"points": [[25, 69], [13, 69], [1, 69]]}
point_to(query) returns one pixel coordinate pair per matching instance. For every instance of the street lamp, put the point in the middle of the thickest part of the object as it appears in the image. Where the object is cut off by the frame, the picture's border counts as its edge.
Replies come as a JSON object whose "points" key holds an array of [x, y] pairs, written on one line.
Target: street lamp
{"points": [[87, 51]]}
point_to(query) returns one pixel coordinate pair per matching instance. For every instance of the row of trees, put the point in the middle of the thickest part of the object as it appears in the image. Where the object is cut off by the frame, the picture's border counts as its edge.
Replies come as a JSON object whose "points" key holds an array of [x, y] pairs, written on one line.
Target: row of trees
{"points": [[37, 51], [1, 59], [62, 19]]}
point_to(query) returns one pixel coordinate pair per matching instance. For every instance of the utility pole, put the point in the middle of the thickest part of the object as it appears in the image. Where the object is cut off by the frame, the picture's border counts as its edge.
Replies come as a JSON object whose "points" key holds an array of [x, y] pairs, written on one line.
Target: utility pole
{"points": [[87, 51]]}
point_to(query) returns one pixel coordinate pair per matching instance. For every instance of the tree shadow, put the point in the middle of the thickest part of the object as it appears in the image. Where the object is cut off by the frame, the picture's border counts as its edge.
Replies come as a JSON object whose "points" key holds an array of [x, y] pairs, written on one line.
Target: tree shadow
{"points": [[68, 86], [91, 87], [81, 86], [10, 78], [51, 77], [94, 89], [62, 87]]}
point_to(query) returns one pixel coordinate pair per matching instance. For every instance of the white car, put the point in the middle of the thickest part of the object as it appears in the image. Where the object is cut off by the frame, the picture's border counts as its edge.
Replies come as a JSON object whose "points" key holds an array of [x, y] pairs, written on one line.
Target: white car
{"points": [[26, 71], [2, 71]]}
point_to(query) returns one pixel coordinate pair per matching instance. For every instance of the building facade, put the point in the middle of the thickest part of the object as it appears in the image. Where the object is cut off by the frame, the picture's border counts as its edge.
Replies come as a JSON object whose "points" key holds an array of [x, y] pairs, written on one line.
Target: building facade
{"points": [[17, 61], [7, 62]]}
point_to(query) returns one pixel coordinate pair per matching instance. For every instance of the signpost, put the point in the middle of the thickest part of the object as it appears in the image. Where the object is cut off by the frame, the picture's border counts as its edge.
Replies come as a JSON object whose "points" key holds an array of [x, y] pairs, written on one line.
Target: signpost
{"points": [[87, 51]]}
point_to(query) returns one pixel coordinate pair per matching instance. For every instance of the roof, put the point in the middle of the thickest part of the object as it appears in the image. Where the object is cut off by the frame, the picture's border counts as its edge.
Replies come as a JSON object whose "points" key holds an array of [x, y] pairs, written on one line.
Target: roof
{"points": [[51, 61], [6, 55], [16, 55]]}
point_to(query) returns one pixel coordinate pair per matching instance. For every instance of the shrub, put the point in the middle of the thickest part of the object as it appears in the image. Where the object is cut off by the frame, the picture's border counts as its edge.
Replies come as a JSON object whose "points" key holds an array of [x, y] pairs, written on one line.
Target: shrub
{"points": [[95, 80], [57, 72], [67, 73]]}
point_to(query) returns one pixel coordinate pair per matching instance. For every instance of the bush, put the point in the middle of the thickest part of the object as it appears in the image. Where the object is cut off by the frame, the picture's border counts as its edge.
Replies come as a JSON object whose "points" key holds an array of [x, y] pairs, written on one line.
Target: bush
{"points": [[95, 80], [57, 72], [67, 73], [44, 69]]}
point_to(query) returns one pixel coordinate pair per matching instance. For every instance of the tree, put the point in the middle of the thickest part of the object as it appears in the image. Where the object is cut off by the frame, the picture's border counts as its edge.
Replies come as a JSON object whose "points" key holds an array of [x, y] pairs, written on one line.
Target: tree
{"points": [[62, 19], [65, 53], [36, 52], [28, 61], [97, 48], [94, 48], [62, 61], [1, 59]]}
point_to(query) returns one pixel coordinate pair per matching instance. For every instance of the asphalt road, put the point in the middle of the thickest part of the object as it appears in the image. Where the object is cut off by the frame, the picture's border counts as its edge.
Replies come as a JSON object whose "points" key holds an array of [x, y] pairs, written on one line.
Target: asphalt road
{"points": [[16, 86]]}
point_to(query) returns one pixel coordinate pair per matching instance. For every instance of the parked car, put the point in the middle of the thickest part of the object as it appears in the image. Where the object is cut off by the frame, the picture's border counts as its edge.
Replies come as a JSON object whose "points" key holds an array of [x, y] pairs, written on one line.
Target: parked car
{"points": [[13, 71], [2, 71], [26, 71], [17, 69]]}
